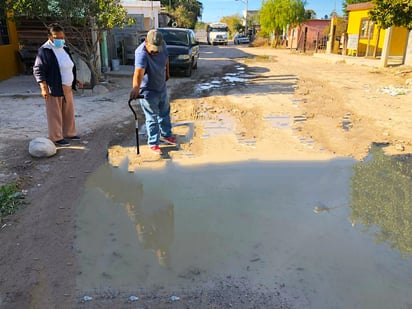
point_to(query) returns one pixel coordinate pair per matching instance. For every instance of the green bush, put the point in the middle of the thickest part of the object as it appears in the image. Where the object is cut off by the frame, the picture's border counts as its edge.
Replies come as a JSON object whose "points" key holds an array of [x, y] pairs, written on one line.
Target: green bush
{"points": [[10, 199]]}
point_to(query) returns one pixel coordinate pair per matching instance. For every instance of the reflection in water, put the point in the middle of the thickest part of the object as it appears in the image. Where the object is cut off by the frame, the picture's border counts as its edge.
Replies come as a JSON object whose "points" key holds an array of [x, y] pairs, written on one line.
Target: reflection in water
{"points": [[382, 198], [154, 222], [153, 216]]}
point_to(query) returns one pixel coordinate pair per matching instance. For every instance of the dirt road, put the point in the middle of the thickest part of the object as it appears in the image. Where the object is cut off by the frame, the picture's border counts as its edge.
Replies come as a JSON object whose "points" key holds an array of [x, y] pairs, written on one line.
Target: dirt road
{"points": [[241, 104]]}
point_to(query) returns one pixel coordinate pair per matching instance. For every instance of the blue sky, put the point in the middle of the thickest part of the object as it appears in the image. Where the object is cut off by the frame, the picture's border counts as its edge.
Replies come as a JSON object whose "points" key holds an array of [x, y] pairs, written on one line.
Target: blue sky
{"points": [[213, 10]]}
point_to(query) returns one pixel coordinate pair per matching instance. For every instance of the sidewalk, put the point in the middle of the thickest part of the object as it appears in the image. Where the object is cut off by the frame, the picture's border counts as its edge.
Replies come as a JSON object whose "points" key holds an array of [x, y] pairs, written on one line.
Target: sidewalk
{"points": [[21, 85], [356, 60]]}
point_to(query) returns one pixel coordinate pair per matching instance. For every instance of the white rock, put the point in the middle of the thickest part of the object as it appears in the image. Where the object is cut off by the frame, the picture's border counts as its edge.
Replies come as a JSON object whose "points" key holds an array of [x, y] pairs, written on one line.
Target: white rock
{"points": [[41, 147], [100, 89]]}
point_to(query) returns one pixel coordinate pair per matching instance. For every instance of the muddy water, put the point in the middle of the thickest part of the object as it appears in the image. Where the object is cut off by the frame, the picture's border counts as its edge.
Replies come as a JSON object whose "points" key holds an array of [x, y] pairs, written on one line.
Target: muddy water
{"points": [[323, 230]]}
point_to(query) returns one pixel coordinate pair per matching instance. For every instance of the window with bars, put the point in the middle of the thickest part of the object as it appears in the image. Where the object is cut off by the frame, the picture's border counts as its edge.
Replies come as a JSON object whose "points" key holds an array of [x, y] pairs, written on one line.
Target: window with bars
{"points": [[366, 29]]}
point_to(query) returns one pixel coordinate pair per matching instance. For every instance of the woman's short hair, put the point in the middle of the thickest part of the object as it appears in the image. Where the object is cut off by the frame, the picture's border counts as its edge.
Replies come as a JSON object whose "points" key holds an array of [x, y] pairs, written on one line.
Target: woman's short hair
{"points": [[55, 27]]}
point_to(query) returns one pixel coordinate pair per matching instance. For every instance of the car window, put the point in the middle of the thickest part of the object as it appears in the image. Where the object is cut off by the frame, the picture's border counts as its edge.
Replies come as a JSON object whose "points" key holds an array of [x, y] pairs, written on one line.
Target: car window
{"points": [[192, 38], [175, 37]]}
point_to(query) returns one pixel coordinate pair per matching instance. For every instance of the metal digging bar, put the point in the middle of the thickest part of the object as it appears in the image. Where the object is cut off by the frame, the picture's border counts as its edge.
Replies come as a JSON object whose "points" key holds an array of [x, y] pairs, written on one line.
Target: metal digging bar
{"points": [[136, 122]]}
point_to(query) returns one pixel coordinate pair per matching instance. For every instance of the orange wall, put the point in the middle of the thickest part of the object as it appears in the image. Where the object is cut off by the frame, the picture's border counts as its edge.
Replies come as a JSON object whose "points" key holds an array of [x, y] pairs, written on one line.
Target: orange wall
{"points": [[9, 61]]}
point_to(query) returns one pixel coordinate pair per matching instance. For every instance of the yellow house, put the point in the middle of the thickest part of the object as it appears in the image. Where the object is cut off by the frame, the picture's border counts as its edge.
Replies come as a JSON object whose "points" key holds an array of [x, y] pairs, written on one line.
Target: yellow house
{"points": [[9, 46], [366, 39]]}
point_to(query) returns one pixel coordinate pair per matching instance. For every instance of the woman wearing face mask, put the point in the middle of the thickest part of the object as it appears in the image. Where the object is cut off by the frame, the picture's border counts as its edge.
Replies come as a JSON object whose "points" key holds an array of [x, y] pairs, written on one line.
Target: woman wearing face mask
{"points": [[55, 72]]}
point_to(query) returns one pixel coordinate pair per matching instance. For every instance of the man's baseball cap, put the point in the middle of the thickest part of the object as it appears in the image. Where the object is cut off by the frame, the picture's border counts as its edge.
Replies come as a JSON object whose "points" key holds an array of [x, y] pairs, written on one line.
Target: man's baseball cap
{"points": [[154, 40]]}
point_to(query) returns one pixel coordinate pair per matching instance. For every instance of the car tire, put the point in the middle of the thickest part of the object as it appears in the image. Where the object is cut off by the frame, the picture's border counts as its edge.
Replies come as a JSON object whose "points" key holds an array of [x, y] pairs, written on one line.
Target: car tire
{"points": [[188, 71]]}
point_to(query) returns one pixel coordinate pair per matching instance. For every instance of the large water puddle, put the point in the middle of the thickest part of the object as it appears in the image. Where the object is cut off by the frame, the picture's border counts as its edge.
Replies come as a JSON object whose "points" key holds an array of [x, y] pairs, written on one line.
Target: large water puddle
{"points": [[337, 233]]}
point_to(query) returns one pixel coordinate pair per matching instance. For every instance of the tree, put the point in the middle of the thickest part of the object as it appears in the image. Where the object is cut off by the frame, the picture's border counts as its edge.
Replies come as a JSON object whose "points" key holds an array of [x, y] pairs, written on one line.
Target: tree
{"points": [[310, 14], [388, 13], [277, 15], [79, 18], [234, 22], [382, 198], [185, 12], [183, 17], [200, 25]]}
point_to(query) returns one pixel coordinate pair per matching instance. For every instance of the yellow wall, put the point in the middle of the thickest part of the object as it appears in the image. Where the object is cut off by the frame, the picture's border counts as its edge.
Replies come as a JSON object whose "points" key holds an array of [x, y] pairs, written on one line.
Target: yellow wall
{"points": [[354, 27], [9, 61], [354, 20], [398, 41]]}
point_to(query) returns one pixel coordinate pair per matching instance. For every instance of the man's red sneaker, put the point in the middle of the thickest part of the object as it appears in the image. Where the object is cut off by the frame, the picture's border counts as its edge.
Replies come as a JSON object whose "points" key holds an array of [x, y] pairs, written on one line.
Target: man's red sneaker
{"points": [[168, 140], [156, 149]]}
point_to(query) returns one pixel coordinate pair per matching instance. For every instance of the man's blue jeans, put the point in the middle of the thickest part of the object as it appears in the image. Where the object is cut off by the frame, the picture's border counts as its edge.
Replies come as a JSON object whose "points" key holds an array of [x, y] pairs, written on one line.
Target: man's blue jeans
{"points": [[156, 107]]}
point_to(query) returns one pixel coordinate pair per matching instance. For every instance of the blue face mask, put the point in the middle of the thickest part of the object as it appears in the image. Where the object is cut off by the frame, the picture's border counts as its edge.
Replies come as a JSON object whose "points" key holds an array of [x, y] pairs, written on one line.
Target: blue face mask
{"points": [[58, 43]]}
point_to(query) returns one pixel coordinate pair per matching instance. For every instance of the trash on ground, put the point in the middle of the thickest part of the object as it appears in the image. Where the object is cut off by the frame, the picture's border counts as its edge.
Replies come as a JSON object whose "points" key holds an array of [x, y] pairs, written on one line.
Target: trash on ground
{"points": [[394, 91], [87, 298], [133, 298], [174, 298]]}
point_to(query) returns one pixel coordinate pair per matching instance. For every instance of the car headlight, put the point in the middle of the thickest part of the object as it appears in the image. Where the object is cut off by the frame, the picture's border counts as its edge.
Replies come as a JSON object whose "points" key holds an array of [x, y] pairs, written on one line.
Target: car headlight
{"points": [[183, 57]]}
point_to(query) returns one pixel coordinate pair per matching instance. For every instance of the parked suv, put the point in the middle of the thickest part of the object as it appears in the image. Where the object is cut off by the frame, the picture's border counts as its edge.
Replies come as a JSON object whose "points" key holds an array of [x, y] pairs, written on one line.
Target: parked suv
{"points": [[183, 49]]}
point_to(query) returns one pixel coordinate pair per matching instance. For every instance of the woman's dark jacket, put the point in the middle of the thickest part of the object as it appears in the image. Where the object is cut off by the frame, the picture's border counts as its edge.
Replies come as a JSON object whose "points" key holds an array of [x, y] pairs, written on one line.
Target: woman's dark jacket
{"points": [[46, 68]]}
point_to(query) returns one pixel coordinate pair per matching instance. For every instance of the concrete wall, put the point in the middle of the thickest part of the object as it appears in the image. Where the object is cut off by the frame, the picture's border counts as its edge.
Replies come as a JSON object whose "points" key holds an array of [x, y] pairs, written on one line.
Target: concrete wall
{"points": [[149, 9]]}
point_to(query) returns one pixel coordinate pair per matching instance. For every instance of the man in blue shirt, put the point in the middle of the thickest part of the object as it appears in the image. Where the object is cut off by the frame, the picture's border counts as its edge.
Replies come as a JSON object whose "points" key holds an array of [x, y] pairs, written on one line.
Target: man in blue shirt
{"points": [[149, 79]]}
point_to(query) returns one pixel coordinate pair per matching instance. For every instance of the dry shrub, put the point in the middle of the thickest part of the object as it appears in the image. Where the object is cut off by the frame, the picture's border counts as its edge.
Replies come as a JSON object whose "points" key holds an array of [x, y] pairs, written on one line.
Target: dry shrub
{"points": [[260, 42]]}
